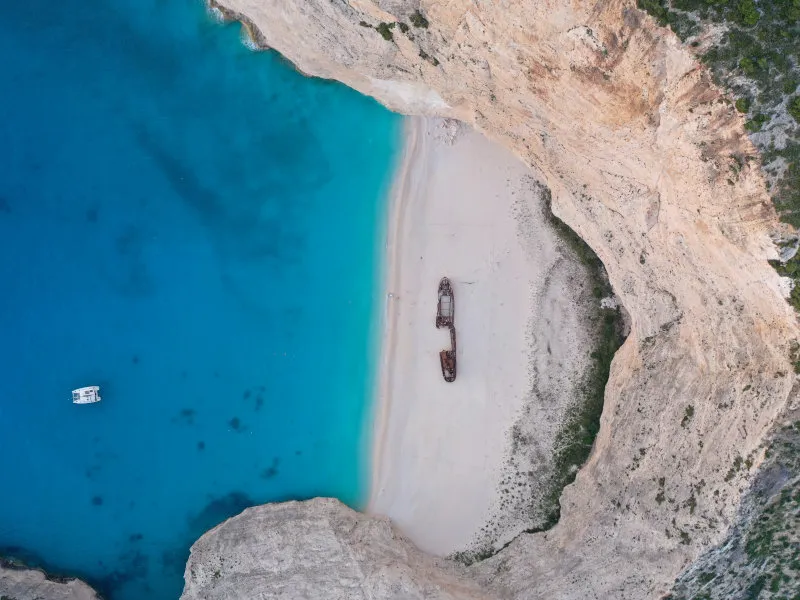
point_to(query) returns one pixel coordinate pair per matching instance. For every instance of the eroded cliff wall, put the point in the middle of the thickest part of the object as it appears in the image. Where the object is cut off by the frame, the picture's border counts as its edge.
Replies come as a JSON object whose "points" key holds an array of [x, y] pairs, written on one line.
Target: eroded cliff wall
{"points": [[33, 584], [317, 549], [649, 164]]}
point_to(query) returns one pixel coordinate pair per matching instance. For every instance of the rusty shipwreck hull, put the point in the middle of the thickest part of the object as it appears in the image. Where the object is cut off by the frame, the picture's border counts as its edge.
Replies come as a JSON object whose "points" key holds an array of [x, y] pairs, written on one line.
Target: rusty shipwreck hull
{"points": [[445, 317]]}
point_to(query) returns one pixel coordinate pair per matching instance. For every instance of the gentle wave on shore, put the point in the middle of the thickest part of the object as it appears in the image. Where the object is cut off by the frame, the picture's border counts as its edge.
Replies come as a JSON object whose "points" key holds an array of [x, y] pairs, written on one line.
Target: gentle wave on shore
{"points": [[194, 227]]}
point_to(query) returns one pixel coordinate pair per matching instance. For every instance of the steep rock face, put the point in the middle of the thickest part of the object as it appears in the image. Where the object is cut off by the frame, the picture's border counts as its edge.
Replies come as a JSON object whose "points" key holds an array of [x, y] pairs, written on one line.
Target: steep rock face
{"points": [[316, 549], [649, 164], [30, 584]]}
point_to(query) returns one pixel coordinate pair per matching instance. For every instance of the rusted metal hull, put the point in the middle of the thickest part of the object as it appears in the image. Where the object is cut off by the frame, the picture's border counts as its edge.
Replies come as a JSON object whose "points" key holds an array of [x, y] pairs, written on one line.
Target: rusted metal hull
{"points": [[445, 317], [448, 360]]}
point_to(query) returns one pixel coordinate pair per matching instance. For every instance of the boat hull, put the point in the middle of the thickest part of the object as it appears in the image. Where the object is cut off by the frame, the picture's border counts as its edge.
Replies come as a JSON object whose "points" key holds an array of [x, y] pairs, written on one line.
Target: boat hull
{"points": [[446, 317], [86, 395], [447, 358], [446, 307]]}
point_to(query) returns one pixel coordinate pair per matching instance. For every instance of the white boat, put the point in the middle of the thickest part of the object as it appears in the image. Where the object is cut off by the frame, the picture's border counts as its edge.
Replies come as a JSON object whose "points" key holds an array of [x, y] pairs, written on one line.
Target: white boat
{"points": [[86, 395]]}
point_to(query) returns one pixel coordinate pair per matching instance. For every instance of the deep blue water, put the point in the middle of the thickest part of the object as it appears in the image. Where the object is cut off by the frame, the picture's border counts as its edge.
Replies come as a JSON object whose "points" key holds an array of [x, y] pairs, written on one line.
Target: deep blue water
{"points": [[195, 227]]}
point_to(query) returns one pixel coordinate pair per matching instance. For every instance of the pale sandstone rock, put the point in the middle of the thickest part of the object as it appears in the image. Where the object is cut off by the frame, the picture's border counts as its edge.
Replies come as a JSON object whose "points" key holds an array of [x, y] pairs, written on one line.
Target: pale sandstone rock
{"points": [[641, 153], [31, 584], [316, 549]]}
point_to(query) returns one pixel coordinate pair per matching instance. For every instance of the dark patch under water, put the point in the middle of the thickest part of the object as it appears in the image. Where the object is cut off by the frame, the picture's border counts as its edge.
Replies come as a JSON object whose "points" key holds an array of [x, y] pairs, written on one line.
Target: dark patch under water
{"points": [[217, 510], [272, 470]]}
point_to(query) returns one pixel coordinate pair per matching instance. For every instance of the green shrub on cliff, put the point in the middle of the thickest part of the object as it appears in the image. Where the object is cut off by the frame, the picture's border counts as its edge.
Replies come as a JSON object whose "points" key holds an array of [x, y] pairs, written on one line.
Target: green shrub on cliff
{"points": [[743, 105], [417, 20], [794, 108], [756, 123], [747, 13], [656, 9], [385, 31]]}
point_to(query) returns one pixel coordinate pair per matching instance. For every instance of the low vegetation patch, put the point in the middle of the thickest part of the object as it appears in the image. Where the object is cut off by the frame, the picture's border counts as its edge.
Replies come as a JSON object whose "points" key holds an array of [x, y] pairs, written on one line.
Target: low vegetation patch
{"points": [[469, 557], [688, 415], [530, 488], [417, 20], [385, 29], [794, 108], [790, 268], [575, 439]]}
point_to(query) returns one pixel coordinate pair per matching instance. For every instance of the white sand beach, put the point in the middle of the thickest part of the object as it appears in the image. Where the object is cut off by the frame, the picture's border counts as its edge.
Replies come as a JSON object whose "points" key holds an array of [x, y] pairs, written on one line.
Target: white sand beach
{"points": [[466, 208]]}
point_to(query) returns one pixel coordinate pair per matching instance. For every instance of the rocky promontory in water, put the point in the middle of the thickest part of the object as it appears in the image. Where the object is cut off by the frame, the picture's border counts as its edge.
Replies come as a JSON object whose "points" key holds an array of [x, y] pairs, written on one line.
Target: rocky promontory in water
{"points": [[317, 549], [18, 582]]}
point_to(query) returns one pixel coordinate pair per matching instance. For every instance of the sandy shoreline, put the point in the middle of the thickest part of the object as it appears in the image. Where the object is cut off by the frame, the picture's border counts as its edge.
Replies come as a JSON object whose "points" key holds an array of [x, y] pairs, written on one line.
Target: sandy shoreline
{"points": [[413, 129], [443, 457]]}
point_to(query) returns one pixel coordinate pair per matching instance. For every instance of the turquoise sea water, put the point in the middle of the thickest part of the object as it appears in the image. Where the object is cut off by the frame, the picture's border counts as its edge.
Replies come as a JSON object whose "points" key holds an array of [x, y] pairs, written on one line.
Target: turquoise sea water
{"points": [[195, 227]]}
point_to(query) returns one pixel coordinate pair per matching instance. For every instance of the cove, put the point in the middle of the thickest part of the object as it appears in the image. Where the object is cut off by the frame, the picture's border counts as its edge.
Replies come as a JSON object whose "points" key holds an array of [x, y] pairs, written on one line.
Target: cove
{"points": [[196, 228]]}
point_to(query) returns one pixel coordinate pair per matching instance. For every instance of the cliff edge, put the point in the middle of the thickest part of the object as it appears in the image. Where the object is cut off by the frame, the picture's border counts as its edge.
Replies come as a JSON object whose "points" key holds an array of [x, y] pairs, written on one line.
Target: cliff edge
{"points": [[33, 584], [316, 549]]}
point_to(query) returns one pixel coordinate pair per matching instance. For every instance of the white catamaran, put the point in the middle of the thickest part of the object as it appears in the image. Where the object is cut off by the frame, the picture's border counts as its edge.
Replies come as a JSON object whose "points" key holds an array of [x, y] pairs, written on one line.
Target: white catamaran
{"points": [[86, 395]]}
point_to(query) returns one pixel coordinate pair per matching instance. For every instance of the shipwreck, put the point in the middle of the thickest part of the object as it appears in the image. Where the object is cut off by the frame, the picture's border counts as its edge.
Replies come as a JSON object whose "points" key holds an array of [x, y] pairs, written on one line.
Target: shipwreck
{"points": [[445, 317]]}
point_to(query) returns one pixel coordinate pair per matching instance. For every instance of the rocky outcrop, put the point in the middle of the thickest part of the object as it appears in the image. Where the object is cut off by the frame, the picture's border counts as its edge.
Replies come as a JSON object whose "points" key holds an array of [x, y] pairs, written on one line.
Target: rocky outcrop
{"points": [[316, 549], [649, 163], [31, 584]]}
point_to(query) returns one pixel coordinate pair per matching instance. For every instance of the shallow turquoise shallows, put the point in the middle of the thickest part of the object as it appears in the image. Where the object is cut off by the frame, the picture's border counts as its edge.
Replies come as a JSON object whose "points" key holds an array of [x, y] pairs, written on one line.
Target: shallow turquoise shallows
{"points": [[196, 228]]}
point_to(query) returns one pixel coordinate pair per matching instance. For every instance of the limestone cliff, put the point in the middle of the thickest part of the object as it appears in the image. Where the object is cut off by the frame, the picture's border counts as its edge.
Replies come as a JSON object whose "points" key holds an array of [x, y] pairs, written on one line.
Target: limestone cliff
{"points": [[31, 584], [316, 549], [649, 164]]}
